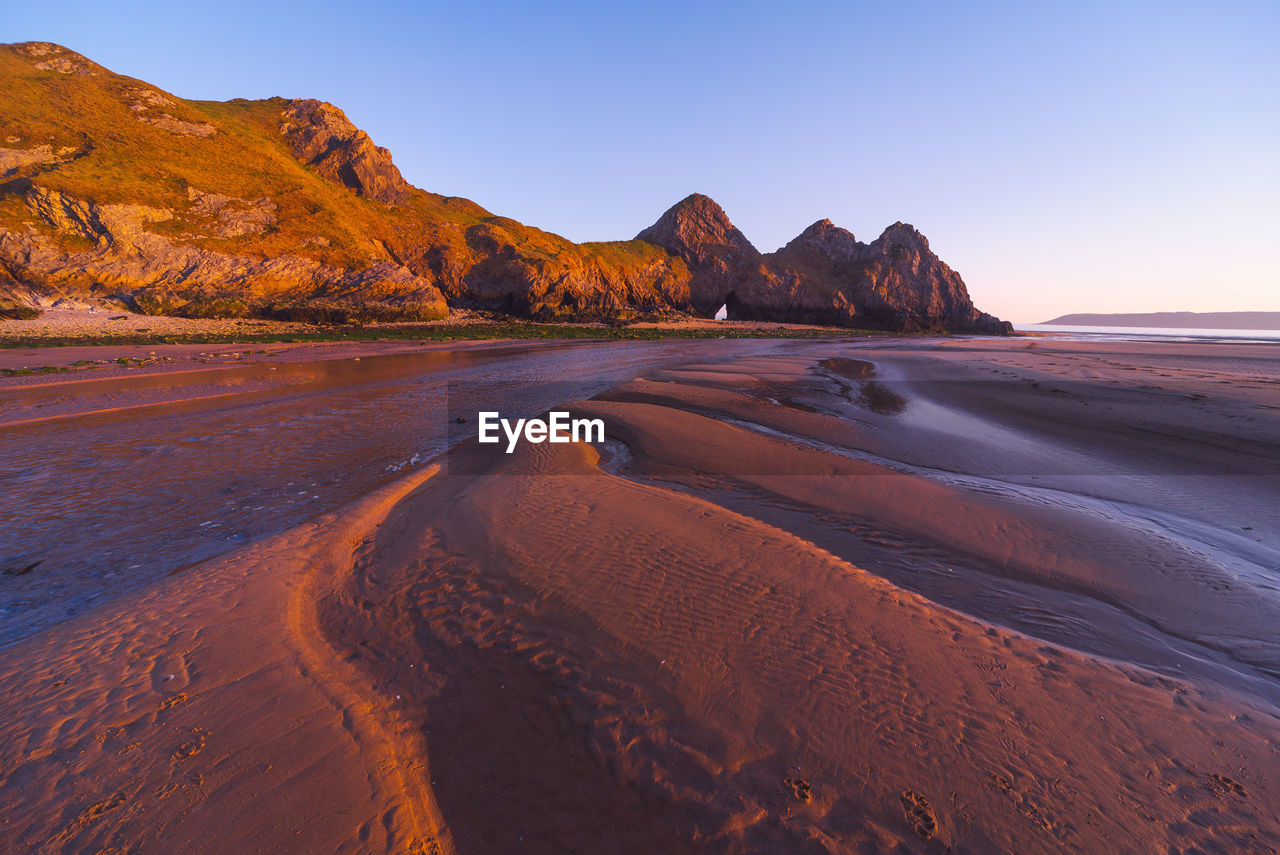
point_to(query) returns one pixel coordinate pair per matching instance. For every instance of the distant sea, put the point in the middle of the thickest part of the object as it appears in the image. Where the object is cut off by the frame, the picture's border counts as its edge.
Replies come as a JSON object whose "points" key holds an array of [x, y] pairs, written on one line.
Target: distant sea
{"points": [[1154, 333]]}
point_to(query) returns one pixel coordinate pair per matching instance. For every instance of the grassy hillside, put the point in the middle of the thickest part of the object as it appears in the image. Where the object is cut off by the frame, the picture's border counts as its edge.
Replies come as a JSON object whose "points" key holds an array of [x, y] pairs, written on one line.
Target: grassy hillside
{"points": [[107, 155], [115, 140]]}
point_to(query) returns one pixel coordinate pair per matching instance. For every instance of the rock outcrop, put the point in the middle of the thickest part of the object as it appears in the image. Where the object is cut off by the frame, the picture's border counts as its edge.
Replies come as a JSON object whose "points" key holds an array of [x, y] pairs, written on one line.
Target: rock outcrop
{"points": [[47, 56], [895, 282], [322, 137], [698, 231], [14, 159], [824, 275], [131, 264]]}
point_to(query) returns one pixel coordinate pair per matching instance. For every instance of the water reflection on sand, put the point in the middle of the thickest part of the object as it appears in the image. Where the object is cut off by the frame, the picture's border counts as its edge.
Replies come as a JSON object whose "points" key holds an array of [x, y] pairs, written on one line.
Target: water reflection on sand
{"points": [[113, 483]]}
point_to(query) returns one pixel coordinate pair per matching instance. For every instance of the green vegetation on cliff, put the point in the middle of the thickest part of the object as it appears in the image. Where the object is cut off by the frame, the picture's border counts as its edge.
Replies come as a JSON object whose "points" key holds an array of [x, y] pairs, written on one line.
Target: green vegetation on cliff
{"points": [[224, 180], [113, 190]]}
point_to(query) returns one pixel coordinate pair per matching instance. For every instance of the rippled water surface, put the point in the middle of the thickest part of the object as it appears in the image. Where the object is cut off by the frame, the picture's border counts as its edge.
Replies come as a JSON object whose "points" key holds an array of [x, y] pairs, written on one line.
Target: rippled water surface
{"points": [[111, 499]]}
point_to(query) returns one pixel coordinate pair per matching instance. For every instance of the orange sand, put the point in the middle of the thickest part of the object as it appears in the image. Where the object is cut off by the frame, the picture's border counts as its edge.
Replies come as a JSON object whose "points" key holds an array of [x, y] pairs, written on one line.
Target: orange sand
{"points": [[777, 615]]}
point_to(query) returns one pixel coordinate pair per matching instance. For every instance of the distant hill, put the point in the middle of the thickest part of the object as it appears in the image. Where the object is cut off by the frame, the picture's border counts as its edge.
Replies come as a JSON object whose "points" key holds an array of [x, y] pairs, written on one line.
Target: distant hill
{"points": [[1179, 320]]}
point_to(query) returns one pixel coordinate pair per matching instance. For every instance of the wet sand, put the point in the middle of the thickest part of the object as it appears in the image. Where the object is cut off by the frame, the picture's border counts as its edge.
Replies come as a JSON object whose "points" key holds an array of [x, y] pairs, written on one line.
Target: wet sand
{"points": [[903, 595], [112, 483]]}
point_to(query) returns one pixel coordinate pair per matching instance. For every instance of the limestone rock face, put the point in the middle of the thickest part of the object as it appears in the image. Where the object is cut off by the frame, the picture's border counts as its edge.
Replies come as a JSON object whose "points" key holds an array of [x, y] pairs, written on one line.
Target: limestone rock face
{"points": [[68, 214], [825, 240], [902, 283], [229, 217], [13, 159], [499, 264], [824, 275], [698, 231], [134, 265], [148, 106], [48, 56], [321, 136]]}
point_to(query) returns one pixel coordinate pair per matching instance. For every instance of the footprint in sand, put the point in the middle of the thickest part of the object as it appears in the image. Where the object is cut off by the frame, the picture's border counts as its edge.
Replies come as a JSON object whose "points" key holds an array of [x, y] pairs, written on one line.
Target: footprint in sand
{"points": [[801, 789], [191, 747], [173, 700], [1222, 786], [919, 815]]}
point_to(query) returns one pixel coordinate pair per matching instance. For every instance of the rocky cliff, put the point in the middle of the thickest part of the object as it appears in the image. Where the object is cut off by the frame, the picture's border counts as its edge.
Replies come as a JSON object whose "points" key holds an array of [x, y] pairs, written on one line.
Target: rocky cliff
{"points": [[123, 257], [321, 136], [824, 275], [113, 190], [698, 231]]}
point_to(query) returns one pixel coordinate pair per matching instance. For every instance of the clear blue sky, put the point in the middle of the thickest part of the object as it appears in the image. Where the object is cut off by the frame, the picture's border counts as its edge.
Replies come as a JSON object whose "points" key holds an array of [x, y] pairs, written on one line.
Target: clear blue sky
{"points": [[1085, 156]]}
